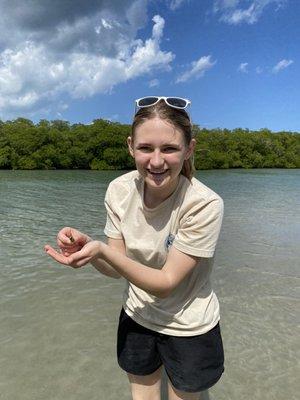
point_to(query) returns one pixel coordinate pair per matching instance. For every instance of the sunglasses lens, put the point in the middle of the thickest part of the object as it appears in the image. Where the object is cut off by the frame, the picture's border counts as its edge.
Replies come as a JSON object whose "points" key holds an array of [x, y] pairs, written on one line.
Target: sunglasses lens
{"points": [[147, 101], [177, 102]]}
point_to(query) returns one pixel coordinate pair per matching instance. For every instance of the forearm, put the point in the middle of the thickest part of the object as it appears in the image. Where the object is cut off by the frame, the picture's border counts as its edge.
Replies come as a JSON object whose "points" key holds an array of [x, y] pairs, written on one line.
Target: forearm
{"points": [[105, 268], [153, 281]]}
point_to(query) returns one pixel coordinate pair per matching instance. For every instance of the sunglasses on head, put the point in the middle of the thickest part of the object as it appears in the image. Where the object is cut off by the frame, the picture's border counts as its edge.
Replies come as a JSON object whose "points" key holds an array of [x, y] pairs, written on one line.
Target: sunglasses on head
{"points": [[175, 102]]}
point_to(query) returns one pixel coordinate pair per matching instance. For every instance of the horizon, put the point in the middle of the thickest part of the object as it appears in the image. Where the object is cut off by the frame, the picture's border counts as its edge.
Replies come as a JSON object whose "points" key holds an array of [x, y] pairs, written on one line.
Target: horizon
{"points": [[120, 123]]}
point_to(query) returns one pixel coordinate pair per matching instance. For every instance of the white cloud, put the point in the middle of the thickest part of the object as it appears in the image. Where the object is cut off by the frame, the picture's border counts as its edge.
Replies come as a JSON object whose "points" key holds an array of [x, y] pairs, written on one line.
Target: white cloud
{"points": [[175, 4], [282, 65], [78, 57], [243, 67], [232, 12], [220, 5], [106, 24], [158, 27], [154, 83], [258, 70], [197, 70], [249, 15], [148, 56]]}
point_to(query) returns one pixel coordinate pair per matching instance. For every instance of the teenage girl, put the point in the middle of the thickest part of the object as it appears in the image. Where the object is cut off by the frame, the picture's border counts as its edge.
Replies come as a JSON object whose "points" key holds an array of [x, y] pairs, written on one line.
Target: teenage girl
{"points": [[162, 229]]}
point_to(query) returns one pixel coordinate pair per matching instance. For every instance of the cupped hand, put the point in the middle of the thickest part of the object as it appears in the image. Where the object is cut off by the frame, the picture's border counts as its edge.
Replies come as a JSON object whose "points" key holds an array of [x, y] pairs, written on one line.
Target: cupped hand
{"points": [[77, 259], [70, 240]]}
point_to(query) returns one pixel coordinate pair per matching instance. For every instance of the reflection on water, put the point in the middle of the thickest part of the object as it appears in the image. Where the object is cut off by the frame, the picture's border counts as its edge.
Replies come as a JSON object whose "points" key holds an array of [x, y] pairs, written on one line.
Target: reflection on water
{"points": [[58, 325]]}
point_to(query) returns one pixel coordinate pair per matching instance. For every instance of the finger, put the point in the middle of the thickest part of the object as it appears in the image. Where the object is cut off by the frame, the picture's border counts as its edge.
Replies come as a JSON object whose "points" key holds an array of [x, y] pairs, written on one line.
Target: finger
{"points": [[64, 251], [80, 258], [65, 239], [66, 246], [75, 260], [57, 256], [72, 234], [67, 234], [71, 247]]}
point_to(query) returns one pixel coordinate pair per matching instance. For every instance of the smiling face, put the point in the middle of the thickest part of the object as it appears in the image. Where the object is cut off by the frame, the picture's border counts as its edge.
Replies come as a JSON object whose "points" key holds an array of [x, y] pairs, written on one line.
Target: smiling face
{"points": [[159, 150]]}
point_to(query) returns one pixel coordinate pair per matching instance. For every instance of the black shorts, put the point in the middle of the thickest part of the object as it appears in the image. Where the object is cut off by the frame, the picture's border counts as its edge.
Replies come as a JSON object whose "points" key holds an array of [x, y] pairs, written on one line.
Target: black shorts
{"points": [[193, 363]]}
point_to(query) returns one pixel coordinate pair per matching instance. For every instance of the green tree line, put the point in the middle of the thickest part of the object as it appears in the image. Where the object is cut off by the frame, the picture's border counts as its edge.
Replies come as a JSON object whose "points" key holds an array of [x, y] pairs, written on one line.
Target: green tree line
{"points": [[102, 146]]}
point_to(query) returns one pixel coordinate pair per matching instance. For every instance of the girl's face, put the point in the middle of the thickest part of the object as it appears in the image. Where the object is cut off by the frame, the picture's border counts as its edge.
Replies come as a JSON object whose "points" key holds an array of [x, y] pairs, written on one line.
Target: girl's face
{"points": [[159, 151]]}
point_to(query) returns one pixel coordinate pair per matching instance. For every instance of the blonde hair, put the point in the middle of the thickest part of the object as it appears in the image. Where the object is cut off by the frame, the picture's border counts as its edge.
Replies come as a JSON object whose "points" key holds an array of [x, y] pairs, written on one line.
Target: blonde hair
{"points": [[178, 118]]}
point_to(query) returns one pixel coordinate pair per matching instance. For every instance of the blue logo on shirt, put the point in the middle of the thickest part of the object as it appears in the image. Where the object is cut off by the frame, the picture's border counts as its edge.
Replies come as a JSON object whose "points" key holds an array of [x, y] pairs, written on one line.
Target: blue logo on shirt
{"points": [[169, 241]]}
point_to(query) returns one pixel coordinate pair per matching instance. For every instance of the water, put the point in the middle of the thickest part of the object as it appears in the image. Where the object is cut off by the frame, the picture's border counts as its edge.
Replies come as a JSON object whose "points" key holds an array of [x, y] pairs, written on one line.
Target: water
{"points": [[58, 325]]}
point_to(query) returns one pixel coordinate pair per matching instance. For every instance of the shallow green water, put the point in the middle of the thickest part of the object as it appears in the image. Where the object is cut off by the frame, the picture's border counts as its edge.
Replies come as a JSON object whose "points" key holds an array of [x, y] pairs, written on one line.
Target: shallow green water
{"points": [[58, 325]]}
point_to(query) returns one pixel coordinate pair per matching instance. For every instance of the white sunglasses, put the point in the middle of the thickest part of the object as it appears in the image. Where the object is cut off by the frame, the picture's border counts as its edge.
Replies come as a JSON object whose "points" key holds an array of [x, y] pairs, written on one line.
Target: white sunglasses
{"points": [[175, 102]]}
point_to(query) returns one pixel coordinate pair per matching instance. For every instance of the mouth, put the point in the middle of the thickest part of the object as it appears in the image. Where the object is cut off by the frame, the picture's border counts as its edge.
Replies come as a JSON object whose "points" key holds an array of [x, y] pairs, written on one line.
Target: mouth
{"points": [[157, 173], [157, 176]]}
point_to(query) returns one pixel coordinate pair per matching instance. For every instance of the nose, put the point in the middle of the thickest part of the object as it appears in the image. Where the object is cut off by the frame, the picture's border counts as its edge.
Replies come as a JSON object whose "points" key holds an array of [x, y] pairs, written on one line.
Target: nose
{"points": [[156, 160]]}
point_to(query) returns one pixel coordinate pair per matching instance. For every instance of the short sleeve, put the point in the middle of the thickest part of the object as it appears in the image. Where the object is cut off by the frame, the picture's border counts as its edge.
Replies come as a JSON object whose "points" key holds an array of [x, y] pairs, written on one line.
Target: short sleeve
{"points": [[113, 223], [199, 229]]}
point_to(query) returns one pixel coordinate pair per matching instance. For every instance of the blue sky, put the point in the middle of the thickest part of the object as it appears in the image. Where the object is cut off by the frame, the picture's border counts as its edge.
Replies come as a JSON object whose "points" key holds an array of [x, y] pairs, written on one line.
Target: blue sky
{"points": [[236, 60]]}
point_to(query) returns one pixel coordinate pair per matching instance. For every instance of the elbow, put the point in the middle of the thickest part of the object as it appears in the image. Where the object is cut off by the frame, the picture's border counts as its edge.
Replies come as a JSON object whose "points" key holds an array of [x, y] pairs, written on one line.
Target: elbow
{"points": [[165, 291], [167, 287]]}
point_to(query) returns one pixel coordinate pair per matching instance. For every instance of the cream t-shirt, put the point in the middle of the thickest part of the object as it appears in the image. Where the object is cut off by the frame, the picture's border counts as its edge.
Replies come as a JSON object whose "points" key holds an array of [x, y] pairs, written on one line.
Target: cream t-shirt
{"points": [[190, 219]]}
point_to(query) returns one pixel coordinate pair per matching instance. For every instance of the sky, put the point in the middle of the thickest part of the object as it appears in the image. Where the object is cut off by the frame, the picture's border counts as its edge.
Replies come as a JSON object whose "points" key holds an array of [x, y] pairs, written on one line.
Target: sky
{"points": [[238, 61]]}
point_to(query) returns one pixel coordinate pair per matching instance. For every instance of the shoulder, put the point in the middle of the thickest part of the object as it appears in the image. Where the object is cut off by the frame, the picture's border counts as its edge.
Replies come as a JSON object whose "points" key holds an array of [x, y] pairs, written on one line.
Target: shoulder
{"points": [[124, 182], [198, 195], [122, 186]]}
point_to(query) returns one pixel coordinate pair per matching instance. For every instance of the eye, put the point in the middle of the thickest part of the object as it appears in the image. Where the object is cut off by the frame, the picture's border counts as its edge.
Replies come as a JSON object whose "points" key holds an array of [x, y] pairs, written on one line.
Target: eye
{"points": [[144, 148], [170, 149]]}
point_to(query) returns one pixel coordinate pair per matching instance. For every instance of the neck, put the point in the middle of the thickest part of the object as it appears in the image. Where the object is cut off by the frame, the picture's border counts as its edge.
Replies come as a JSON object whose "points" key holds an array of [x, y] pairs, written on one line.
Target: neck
{"points": [[153, 197]]}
